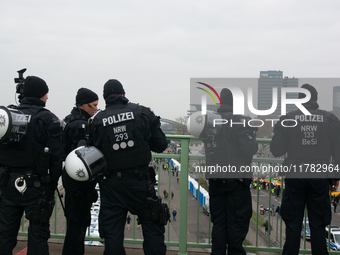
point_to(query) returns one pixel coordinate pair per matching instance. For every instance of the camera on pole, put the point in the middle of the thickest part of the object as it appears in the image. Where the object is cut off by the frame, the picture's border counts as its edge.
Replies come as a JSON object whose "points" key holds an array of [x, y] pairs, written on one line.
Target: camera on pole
{"points": [[20, 84]]}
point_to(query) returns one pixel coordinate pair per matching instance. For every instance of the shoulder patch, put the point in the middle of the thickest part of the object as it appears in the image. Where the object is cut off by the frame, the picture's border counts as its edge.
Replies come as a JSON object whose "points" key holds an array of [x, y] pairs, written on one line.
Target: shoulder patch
{"points": [[55, 120]]}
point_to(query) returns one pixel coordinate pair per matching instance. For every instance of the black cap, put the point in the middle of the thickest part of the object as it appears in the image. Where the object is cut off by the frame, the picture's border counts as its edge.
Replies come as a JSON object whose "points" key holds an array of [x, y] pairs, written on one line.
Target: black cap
{"points": [[35, 87], [226, 97], [312, 90], [85, 96], [113, 86]]}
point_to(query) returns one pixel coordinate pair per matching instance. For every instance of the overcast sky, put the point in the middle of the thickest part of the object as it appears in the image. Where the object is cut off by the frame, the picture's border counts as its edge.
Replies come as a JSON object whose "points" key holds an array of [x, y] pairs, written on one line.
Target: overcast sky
{"points": [[155, 47]]}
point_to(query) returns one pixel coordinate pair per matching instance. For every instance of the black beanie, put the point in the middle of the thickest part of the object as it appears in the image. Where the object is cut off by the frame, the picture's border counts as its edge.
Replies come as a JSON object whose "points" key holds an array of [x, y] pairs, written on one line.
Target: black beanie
{"points": [[113, 87], [85, 96], [35, 87], [226, 97], [312, 90]]}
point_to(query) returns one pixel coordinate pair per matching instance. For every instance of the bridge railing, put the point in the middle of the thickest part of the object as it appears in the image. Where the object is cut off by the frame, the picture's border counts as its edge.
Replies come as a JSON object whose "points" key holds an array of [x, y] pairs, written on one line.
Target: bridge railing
{"points": [[271, 244]]}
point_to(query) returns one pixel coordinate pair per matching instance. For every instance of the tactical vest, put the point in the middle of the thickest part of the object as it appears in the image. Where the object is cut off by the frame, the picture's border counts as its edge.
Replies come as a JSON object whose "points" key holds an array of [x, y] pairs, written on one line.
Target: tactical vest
{"points": [[25, 154], [121, 139], [221, 147], [309, 140], [74, 125]]}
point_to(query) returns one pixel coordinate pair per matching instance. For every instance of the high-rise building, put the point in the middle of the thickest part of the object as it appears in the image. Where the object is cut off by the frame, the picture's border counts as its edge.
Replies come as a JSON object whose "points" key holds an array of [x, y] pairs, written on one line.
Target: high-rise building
{"points": [[336, 98], [267, 81]]}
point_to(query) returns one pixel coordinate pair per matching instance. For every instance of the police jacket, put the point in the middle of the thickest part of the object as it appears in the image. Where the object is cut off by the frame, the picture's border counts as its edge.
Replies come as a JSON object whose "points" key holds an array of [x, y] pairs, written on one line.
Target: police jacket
{"points": [[309, 139], [125, 133], [75, 129], [234, 145], [43, 130], [312, 137]]}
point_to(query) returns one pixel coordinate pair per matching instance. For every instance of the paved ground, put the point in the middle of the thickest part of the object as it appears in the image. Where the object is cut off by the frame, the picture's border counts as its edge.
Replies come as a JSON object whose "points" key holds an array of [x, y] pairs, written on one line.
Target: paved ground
{"points": [[276, 220]]}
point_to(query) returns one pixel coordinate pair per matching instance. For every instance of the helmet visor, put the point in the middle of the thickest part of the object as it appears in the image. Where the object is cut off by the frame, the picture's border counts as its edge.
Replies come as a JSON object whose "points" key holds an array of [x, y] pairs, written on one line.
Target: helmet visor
{"points": [[93, 160]]}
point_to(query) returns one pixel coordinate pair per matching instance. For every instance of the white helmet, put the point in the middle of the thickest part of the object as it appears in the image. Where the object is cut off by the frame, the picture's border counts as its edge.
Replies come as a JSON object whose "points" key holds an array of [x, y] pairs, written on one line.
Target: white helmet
{"points": [[13, 125], [85, 163], [197, 122]]}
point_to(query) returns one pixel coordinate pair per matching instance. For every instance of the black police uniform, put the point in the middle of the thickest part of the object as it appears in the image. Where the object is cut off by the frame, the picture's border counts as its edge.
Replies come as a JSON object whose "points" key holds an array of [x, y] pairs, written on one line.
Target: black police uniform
{"points": [[314, 140], [21, 160], [230, 198], [125, 133], [79, 196]]}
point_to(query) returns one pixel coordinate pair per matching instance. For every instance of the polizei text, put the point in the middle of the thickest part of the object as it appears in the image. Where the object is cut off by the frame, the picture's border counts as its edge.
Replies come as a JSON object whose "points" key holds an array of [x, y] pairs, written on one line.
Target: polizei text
{"points": [[120, 117]]}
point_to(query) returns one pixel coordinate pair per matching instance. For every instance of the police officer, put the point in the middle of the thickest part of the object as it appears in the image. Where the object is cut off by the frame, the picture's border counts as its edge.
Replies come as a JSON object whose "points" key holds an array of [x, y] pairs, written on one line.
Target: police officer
{"points": [[33, 172], [309, 140], [230, 199], [79, 195], [126, 133]]}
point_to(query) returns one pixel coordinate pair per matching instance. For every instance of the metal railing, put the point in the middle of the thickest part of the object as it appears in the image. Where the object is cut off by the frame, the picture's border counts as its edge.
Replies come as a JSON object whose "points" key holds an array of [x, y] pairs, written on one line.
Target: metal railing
{"points": [[272, 245]]}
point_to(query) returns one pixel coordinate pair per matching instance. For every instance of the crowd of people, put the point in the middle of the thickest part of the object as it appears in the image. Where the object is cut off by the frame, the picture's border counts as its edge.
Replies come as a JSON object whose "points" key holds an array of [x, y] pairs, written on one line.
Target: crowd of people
{"points": [[275, 187]]}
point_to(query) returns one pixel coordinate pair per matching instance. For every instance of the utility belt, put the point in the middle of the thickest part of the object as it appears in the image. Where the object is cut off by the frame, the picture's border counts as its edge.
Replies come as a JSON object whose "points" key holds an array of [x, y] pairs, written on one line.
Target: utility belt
{"points": [[245, 181], [22, 179], [231, 173], [227, 170], [139, 174], [126, 176], [31, 180]]}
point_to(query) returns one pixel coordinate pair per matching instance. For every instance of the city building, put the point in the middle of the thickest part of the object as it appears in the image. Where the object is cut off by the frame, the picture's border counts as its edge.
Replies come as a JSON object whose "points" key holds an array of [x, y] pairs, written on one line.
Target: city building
{"points": [[274, 79], [336, 98]]}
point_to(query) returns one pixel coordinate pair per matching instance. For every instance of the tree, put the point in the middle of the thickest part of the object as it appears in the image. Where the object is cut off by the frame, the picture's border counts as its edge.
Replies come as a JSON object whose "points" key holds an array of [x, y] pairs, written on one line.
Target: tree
{"points": [[181, 127]]}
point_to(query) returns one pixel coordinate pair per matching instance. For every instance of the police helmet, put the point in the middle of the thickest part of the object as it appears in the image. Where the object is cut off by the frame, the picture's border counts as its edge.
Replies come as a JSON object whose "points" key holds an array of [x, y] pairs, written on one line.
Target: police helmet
{"points": [[85, 163], [198, 122], [13, 125]]}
